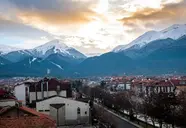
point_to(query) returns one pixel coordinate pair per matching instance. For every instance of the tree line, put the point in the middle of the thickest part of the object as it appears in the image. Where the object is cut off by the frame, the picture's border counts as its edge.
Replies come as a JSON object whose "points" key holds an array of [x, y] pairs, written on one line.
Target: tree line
{"points": [[161, 108]]}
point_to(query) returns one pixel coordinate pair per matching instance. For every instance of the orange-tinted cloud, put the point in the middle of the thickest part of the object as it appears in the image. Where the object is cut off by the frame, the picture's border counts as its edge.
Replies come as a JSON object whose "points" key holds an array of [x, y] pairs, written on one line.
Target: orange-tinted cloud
{"points": [[57, 12], [169, 12], [58, 18]]}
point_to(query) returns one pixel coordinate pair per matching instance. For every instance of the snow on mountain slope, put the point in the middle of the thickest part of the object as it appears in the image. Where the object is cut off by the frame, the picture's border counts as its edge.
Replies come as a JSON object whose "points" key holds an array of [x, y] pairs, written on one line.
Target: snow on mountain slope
{"points": [[174, 32], [56, 46], [32, 60], [4, 49], [57, 65]]}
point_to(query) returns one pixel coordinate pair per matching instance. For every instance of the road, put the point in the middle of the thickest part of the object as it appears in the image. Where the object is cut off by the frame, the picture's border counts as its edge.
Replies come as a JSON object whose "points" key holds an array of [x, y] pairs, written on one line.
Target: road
{"points": [[119, 121]]}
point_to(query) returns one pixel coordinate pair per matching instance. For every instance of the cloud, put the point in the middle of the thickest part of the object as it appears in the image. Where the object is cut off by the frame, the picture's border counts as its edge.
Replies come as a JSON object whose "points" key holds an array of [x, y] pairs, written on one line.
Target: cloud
{"points": [[20, 35], [58, 18], [56, 12], [14, 28], [28, 23], [169, 12]]}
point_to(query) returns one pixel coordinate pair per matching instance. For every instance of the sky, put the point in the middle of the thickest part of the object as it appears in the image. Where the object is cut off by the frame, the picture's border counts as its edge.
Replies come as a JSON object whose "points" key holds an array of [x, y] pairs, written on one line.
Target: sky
{"points": [[90, 26]]}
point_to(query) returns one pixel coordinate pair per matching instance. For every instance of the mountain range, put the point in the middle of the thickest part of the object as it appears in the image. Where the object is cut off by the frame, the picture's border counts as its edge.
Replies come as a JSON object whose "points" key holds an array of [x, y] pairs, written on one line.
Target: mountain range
{"points": [[153, 53]]}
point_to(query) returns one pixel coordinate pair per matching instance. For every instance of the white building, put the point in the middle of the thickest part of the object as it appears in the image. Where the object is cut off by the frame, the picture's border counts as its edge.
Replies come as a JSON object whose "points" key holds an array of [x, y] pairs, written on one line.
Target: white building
{"points": [[65, 111], [20, 92], [7, 102], [31, 91], [123, 86]]}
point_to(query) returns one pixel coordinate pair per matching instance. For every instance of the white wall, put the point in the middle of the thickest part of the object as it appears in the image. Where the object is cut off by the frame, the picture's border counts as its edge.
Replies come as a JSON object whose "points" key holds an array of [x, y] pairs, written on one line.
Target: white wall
{"points": [[50, 93], [4, 103], [128, 86], [39, 95], [20, 92], [63, 93], [70, 107]]}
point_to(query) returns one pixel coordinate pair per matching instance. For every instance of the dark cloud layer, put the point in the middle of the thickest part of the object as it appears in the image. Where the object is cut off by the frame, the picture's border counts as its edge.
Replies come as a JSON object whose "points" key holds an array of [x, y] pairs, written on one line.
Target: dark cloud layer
{"points": [[12, 28]]}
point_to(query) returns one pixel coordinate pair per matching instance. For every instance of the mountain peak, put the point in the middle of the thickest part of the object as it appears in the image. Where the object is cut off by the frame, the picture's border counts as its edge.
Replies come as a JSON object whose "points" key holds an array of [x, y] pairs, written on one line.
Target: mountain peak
{"points": [[56, 46], [174, 32], [56, 43], [4, 49]]}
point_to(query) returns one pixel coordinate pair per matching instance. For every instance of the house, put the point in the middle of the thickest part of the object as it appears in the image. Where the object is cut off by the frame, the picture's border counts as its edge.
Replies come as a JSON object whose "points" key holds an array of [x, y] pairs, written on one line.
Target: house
{"points": [[123, 86], [7, 102], [148, 86], [21, 92], [6, 98], [179, 84], [65, 111], [23, 117], [34, 91], [14, 115]]}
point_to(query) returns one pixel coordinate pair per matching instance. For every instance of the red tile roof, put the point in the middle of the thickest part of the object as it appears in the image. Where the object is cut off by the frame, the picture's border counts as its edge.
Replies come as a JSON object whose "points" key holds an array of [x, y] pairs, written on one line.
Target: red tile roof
{"points": [[178, 82], [4, 109], [26, 122], [34, 112], [40, 120]]}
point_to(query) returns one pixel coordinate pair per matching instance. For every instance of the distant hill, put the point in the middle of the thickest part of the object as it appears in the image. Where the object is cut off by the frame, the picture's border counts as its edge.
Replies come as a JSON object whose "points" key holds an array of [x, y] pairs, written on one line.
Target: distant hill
{"points": [[108, 63]]}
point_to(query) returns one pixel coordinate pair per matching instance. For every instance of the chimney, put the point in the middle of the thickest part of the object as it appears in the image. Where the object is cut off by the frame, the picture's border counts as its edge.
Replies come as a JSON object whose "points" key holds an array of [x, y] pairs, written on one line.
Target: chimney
{"points": [[58, 89], [47, 88]]}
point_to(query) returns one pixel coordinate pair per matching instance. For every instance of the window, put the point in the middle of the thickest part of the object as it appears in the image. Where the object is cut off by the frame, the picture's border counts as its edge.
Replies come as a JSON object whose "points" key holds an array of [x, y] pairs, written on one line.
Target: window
{"points": [[78, 111], [85, 112], [47, 110], [40, 110]]}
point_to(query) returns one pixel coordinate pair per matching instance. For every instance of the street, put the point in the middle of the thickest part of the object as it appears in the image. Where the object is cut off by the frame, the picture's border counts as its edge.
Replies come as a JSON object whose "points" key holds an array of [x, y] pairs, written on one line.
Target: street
{"points": [[119, 121]]}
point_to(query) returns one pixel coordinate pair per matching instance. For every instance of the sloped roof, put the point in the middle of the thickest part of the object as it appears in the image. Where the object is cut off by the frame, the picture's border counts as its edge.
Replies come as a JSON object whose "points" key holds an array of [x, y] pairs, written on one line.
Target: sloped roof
{"points": [[38, 120]]}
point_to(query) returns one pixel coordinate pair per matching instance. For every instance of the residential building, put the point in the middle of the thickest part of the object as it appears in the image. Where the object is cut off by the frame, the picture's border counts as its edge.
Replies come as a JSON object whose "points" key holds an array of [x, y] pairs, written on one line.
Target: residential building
{"points": [[65, 111], [148, 86], [7, 102], [21, 92], [30, 91]]}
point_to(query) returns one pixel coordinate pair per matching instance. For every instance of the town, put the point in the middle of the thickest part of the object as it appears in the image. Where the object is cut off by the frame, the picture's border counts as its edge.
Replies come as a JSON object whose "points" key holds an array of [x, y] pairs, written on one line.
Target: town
{"points": [[92, 63], [112, 101]]}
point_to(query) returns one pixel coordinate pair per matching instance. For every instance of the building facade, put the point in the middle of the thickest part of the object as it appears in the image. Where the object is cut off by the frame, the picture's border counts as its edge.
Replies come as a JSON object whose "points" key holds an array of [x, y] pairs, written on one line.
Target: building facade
{"points": [[65, 111], [34, 91]]}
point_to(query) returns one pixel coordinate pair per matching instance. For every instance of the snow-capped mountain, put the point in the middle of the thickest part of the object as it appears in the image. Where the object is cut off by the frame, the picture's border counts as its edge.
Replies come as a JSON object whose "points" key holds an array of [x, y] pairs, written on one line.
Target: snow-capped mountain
{"points": [[33, 66], [174, 32], [56, 46], [42, 51], [4, 49], [16, 56]]}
